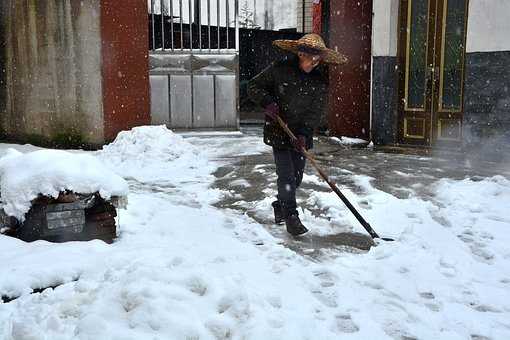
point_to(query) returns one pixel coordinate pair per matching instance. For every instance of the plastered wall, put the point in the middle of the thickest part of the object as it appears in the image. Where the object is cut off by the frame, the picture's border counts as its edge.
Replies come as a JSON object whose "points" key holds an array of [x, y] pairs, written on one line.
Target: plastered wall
{"points": [[488, 26], [52, 71], [384, 29]]}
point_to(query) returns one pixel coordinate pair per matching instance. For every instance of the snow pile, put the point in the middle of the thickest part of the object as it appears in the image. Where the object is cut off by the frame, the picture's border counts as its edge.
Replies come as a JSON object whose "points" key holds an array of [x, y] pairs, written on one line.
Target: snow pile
{"points": [[150, 153], [24, 176]]}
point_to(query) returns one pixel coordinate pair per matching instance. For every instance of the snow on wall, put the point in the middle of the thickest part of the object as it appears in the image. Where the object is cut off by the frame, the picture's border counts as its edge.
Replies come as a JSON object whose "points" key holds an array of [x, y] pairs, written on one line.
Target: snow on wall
{"points": [[488, 26], [384, 28]]}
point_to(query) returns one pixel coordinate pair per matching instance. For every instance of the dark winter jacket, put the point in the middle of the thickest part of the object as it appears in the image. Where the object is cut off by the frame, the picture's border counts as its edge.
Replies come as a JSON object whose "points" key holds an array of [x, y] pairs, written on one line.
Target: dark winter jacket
{"points": [[300, 97]]}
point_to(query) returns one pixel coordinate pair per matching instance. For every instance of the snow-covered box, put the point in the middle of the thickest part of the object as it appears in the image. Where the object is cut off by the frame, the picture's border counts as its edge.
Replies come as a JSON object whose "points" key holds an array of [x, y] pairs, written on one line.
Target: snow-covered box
{"points": [[58, 196]]}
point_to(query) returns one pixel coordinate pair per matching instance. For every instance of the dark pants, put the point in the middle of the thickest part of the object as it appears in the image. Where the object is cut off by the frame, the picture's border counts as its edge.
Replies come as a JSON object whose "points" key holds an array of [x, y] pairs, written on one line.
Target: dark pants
{"points": [[290, 165]]}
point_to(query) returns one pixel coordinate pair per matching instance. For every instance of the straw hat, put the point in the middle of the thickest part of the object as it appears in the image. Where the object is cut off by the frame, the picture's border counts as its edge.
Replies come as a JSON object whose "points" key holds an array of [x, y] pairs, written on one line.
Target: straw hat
{"points": [[312, 43]]}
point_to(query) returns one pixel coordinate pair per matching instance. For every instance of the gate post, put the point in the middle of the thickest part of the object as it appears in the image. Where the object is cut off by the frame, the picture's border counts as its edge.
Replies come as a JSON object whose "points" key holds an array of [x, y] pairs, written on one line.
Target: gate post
{"points": [[125, 65]]}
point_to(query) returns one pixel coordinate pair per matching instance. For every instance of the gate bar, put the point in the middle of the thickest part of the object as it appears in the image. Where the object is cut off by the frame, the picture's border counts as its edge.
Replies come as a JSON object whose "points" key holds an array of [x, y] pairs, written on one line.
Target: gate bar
{"points": [[180, 20], [162, 6], [209, 23], [218, 21], [153, 31], [227, 14], [199, 9], [190, 22], [236, 23], [172, 22]]}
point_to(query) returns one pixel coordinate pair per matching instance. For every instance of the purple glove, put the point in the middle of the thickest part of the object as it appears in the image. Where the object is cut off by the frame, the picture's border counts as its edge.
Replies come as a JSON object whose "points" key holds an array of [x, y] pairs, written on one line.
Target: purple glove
{"points": [[300, 142], [272, 110]]}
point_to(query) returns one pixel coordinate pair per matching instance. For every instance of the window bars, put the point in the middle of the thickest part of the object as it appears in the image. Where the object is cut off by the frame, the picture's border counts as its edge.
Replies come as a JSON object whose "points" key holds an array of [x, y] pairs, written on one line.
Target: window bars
{"points": [[194, 26]]}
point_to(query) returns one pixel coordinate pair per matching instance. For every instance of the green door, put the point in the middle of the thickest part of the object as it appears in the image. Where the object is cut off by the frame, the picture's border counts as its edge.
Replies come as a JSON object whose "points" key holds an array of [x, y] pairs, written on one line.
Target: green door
{"points": [[431, 64]]}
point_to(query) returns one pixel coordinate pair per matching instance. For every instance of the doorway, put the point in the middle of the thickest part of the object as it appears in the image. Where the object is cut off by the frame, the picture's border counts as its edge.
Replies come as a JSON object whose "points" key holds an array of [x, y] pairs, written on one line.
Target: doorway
{"points": [[432, 43]]}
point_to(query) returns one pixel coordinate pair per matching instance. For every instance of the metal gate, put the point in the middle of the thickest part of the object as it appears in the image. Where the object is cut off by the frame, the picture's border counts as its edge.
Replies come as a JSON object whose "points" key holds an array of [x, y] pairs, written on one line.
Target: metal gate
{"points": [[194, 63]]}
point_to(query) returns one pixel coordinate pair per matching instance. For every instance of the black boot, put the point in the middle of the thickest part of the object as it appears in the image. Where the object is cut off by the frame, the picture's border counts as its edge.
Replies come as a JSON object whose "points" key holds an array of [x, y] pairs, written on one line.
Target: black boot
{"points": [[294, 225], [278, 213]]}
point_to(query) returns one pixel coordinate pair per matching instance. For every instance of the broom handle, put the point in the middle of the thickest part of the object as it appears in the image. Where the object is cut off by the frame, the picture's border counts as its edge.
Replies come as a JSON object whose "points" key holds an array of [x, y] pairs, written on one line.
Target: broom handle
{"points": [[331, 184]]}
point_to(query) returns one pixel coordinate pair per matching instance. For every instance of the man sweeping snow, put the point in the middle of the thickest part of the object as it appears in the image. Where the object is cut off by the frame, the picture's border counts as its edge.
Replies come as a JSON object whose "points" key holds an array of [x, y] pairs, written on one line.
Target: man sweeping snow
{"points": [[293, 88]]}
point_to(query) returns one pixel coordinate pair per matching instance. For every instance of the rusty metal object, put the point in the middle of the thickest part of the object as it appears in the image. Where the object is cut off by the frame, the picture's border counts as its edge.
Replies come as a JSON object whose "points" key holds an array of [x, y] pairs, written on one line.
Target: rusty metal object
{"points": [[69, 217], [67, 197]]}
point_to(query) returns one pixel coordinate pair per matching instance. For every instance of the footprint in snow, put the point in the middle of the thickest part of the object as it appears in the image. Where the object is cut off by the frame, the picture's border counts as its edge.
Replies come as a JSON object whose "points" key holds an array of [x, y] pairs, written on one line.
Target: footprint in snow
{"points": [[365, 204], [219, 329], [487, 236], [197, 286], [327, 300], [345, 324], [394, 330], [481, 254], [427, 295], [484, 308], [229, 224], [440, 219], [498, 218], [435, 307], [466, 238], [275, 301], [372, 285], [327, 278], [403, 270], [479, 337], [447, 269], [175, 262]]}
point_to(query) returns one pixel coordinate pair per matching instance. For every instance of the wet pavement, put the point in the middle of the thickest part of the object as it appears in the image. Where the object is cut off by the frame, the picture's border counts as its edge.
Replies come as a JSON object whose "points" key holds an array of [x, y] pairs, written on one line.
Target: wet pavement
{"points": [[251, 179]]}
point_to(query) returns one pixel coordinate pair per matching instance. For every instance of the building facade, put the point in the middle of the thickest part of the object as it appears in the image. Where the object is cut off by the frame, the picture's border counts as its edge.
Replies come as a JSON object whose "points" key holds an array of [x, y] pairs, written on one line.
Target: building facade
{"points": [[420, 73], [440, 71], [304, 15]]}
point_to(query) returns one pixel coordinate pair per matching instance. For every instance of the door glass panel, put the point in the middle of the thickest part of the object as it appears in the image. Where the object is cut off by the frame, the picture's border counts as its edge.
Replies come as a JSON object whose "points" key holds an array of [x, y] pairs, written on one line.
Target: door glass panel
{"points": [[417, 53], [453, 54]]}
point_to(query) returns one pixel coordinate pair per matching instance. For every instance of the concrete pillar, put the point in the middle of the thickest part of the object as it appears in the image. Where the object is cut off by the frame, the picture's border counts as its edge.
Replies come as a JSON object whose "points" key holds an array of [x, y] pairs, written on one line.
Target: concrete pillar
{"points": [[75, 71], [3, 57]]}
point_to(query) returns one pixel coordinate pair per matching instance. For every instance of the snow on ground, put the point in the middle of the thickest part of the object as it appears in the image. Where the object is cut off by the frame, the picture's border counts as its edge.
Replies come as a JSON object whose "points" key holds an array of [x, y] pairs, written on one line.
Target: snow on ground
{"points": [[446, 277], [153, 154], [182, 269], [24, 176], [348, 141]]}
